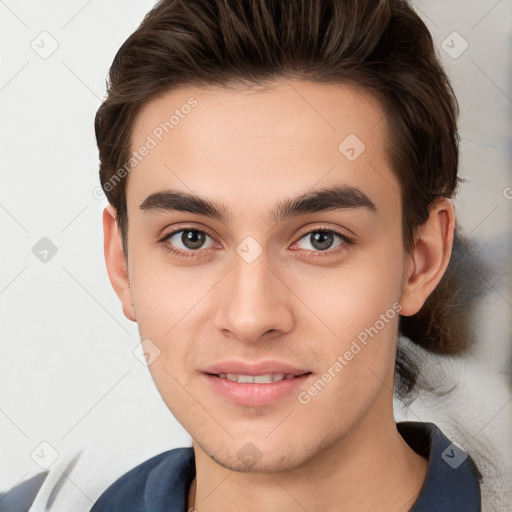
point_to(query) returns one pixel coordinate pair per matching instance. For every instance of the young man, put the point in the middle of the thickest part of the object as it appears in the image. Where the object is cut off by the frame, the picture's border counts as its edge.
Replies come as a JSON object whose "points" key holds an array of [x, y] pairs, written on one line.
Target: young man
{"points": [[280, 176]]}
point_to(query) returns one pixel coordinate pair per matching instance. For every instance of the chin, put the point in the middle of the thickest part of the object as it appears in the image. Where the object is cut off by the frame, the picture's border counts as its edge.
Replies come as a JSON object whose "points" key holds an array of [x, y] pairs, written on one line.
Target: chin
{"points": [[269, 459]]}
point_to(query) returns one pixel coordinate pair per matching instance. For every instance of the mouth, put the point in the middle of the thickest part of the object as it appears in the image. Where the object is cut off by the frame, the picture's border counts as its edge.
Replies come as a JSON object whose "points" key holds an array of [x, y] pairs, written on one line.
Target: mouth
{"points": [[253, 389], [266, 378]]}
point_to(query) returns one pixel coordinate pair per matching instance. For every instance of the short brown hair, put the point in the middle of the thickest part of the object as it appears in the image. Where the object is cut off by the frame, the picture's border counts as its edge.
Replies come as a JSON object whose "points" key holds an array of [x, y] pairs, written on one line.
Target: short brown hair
{"points": [[382, 46]]}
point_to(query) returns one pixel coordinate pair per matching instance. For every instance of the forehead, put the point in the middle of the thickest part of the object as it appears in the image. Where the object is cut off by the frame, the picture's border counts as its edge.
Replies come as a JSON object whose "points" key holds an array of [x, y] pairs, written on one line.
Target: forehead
{"points": [[256, 146]]}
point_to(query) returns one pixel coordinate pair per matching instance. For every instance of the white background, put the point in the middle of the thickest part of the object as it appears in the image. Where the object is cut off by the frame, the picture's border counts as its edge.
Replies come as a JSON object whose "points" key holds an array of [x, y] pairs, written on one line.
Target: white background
{"points": [[68, 372]]}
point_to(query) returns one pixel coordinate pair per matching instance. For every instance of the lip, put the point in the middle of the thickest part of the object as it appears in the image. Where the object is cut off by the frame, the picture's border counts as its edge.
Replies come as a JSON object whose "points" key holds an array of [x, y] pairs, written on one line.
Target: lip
{"points": [[260, 368], [252, 394]]}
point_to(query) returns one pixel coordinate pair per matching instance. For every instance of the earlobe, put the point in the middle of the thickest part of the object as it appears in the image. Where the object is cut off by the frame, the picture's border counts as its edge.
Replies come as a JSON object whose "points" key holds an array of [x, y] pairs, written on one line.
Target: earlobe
{"points": [[116, 261], [429, 257]]}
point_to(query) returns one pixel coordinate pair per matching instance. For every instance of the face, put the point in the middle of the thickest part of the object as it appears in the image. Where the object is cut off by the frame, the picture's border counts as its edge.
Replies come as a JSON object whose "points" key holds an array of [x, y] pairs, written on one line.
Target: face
{"points": [[271, 306]]}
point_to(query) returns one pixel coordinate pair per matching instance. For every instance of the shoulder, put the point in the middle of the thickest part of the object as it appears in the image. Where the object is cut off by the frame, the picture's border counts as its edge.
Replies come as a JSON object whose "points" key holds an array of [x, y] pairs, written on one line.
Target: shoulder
{"points": [[453, 479], [158, 484]]}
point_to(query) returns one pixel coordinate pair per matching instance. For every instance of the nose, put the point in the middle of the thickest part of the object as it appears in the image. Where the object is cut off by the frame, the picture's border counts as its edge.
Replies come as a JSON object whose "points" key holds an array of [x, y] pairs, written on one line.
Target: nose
{"points": [[255, 302]]}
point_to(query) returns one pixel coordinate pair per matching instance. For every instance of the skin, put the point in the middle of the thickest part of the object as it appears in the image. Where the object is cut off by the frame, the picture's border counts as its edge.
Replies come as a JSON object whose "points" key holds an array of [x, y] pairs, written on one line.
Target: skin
{"points": [[296, 303]]}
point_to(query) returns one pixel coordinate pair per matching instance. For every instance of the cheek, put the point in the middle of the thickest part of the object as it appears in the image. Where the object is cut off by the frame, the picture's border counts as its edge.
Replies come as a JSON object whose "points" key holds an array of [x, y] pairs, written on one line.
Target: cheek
{"points": [[179, 394], [352, 296], [357, 356], [166, 297], [358, 309]]}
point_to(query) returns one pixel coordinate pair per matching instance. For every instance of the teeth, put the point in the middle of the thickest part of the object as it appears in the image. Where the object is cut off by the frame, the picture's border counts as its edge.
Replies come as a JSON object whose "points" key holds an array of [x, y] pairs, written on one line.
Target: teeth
{"points": [[256, 379], [245, 378]]}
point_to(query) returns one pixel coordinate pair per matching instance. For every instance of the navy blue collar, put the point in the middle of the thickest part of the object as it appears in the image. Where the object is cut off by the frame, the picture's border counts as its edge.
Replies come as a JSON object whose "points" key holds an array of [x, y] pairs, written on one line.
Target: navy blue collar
{"points": [[452, 481], [161, 484]]}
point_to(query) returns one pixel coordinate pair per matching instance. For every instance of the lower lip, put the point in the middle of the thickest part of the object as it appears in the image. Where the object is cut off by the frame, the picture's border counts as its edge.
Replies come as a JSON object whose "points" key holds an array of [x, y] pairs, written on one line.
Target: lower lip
{"points": [[255, 395]]}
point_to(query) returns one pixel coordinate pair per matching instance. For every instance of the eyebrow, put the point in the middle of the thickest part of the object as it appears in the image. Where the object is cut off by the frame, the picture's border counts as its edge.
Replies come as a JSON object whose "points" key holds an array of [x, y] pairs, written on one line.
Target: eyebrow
{"points": [[340, 197]]}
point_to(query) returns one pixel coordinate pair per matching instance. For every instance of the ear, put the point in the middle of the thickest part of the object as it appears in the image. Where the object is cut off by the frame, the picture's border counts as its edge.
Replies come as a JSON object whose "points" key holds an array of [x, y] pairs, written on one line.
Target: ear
{"points": [[429, 257], [116, 261]]}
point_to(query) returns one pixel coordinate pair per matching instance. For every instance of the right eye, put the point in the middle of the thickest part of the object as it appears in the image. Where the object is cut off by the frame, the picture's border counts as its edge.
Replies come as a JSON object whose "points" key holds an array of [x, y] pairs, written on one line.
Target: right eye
{"points": [[187, 241]]}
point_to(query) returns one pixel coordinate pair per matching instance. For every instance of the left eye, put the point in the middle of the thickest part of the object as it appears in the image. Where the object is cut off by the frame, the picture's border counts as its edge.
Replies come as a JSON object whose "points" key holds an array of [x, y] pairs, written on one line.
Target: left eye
{"points": [[322, 240], [190, 239]]}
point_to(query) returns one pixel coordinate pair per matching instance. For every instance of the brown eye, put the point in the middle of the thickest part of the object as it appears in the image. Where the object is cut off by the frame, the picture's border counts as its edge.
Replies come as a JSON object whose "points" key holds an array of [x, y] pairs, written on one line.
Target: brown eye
{"points": [[193, 239], [188, 240]]}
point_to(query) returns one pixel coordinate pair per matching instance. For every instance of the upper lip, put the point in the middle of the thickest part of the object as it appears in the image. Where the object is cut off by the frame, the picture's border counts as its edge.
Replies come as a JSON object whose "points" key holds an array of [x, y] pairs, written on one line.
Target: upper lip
{"points": [[253, 368]]}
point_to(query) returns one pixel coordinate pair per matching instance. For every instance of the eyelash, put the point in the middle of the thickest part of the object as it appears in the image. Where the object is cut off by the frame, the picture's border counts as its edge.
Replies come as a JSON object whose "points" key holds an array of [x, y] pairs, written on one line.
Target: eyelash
{"points": [[194, 253]]}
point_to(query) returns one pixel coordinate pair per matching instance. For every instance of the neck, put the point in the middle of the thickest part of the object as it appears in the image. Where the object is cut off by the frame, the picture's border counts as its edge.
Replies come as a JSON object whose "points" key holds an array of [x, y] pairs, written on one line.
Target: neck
{"points": [[370, 468]]}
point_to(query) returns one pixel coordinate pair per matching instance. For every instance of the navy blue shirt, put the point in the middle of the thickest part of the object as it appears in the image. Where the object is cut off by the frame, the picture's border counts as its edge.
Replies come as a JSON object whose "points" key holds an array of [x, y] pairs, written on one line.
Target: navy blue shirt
{"points": [[162, 483]]}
